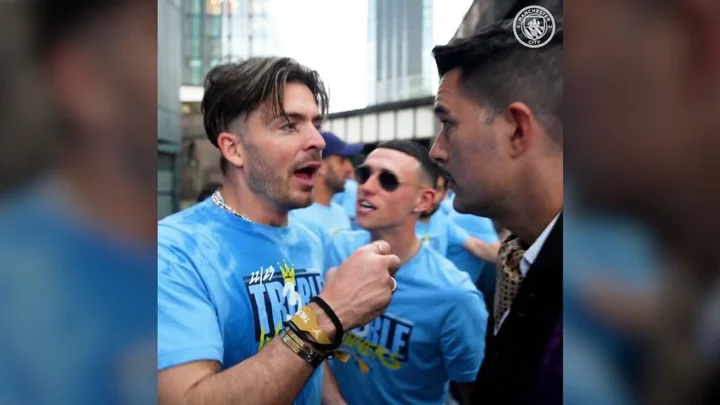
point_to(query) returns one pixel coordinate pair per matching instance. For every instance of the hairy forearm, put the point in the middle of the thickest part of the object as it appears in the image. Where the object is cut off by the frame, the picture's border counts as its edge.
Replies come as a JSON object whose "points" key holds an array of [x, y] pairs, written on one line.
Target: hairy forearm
{"points": [[331, 394], [274, 376], [482, 250]]}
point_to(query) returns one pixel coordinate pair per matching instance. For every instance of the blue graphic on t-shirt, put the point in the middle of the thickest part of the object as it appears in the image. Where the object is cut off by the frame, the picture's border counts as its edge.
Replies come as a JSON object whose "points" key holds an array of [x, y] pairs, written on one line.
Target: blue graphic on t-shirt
{"points": [[432, 332], [226, 285]]}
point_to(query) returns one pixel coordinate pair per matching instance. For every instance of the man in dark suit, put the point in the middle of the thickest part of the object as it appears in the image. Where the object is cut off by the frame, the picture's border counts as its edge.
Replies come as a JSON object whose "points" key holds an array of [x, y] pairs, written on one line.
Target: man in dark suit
{"points": [[499, 103]]}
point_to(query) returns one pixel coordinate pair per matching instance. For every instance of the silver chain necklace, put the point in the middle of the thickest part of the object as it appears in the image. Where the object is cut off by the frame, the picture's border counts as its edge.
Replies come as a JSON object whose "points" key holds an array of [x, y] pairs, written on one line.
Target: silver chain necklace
{"points": [[218, 200]]}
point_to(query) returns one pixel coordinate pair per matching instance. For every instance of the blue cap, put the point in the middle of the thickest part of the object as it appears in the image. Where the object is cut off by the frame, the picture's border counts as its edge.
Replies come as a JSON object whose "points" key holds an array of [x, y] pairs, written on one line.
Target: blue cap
{"points": [[336, 146]]}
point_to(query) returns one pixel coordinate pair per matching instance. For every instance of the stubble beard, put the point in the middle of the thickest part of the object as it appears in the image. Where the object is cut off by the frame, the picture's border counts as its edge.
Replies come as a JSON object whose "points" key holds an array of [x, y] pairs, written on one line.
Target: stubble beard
{"points": [[271, 185]]}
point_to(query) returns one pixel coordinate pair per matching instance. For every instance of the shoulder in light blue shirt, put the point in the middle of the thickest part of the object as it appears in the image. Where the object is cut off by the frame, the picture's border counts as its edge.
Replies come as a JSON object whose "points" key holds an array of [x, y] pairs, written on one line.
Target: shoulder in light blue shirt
{"points": [[76, 326], [432, 332], [439, 233], [478, 227], [322, 219], [226, 285]]}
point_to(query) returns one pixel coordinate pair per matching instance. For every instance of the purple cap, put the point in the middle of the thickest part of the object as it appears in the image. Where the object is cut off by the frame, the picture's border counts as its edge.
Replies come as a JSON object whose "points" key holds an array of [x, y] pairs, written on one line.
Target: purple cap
{"points": [[336, 146]]}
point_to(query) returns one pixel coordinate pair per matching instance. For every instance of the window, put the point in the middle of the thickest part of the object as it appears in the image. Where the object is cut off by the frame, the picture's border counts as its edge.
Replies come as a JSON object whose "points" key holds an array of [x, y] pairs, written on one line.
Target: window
{"points": [[214, 47], [193, 6], [193, 48], [214, 7], [193, 26], [167, 202], [197, 75], [214, 26]]}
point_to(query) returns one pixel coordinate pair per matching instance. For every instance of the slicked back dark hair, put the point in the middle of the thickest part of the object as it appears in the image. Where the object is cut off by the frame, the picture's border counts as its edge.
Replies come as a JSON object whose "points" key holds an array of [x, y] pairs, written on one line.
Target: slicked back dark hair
{"points": [[430, 171], [234, 90], [497, 70]]}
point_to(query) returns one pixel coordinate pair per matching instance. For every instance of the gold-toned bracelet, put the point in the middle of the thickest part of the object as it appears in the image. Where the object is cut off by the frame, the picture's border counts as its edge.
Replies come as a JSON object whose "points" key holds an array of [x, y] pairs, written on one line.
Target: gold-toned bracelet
{"points": [[305, 351], [306, 320]]}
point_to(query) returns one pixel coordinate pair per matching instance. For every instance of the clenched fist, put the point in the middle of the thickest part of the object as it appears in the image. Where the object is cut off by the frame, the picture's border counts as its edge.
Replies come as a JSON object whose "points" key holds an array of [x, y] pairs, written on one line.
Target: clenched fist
{"points": [[361, 288]]}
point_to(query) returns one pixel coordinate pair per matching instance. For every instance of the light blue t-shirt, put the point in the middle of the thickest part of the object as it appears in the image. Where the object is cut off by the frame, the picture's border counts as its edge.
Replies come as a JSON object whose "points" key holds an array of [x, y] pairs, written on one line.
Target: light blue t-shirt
{"points": [[478, 227], [446, 205], [439, 233], [348, 200], [78, 325], [226, 285], [321, 219], [432, 332]]}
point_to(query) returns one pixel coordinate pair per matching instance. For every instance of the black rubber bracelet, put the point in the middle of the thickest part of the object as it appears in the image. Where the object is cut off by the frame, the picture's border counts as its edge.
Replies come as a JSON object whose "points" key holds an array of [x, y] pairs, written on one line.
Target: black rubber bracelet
{"points": [[339, 332]]}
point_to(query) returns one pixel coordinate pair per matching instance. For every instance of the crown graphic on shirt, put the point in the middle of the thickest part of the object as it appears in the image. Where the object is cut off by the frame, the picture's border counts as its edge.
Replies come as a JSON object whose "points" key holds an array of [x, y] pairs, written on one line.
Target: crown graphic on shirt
{"points": [[288, 271]]}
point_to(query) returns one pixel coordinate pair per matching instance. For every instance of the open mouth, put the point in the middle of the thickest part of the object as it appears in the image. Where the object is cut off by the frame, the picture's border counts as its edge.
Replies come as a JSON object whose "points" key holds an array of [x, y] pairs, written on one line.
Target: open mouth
{"points": [[308, 171], [365, 207]]}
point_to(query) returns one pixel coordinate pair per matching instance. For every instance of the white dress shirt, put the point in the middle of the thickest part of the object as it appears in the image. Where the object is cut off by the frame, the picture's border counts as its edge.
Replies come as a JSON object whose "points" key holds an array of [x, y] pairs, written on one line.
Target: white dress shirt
{"points": [[529, 258]]}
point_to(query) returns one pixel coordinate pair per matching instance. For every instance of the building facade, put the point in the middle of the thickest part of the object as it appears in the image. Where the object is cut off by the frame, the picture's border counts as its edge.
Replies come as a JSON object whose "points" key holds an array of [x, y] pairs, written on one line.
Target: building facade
{"points": [[217, 31], [400, 35], [169, 111]]}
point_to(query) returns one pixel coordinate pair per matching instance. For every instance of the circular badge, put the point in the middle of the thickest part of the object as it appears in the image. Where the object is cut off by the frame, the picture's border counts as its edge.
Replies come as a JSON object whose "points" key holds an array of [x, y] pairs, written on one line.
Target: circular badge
{"points": [[534, 26]]}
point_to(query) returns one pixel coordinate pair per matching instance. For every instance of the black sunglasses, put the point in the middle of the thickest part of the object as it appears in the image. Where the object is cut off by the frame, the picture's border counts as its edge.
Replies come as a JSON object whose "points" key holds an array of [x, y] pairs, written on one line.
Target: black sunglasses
{"points": [[387, 179]]}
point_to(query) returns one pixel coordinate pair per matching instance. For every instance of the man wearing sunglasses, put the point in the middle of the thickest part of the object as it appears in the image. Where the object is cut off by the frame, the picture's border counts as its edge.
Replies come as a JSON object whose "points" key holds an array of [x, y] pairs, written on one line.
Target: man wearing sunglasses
{"points": [[432, 332], [325, 217]]}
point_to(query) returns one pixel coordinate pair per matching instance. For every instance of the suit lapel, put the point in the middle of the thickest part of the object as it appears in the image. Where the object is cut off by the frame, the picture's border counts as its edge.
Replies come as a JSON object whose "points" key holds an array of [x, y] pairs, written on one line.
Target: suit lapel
{"points": [[515, 354]]}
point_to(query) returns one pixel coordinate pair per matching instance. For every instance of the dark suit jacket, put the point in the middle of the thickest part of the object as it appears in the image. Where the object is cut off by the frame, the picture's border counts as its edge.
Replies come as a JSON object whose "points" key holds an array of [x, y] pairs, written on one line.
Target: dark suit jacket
{"points": [[523, 363]]}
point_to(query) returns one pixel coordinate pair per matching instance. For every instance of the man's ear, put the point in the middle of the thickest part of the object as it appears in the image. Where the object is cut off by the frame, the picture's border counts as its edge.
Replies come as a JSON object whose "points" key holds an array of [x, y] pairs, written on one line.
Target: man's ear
{"points": [[231, 148], [425, 200], [524, 128]]}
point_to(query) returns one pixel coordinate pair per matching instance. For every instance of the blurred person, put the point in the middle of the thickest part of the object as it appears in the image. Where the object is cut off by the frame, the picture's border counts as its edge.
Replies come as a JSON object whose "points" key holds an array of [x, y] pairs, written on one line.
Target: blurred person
{"points": [[435, 230], [207, 190], [431, 332], [481, 272], [348, 198], [323, 216], [501, 141], [659, 60], [77, 243], [232, 271]]}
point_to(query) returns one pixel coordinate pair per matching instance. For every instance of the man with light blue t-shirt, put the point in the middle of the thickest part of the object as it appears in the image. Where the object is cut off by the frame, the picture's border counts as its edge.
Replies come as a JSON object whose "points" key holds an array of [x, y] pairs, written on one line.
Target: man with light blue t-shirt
{"points": [[433, 330], [232, 272], [435, 229], [325, 217], [347, 199], [481, 272]]}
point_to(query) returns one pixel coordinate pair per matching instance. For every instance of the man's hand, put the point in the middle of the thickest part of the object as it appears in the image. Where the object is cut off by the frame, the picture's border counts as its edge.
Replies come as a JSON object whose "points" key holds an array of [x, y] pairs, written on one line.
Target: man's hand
{"points": [[361, 288]]}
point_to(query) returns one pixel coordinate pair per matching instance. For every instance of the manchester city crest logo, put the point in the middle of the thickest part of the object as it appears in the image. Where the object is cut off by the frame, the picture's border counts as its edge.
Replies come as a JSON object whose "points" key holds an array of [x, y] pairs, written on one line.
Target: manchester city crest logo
{"points": [[534, 26]]}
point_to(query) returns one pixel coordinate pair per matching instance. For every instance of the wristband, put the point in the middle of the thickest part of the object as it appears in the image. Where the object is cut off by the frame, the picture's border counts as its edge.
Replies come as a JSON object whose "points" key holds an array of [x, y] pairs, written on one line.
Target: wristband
{"points": [[339, 331], [305, 322], [306, 352]]}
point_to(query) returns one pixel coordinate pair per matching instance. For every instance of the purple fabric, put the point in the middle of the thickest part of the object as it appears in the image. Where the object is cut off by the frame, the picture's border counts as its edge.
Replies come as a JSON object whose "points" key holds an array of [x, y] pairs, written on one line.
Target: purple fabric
{"points": [[546, 387]]}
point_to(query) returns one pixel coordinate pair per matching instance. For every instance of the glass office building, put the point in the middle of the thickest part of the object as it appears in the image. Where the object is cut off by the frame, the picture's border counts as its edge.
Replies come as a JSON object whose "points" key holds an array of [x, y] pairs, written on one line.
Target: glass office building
{"points": [[169, 114], [400, 35], [217, 31]]}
